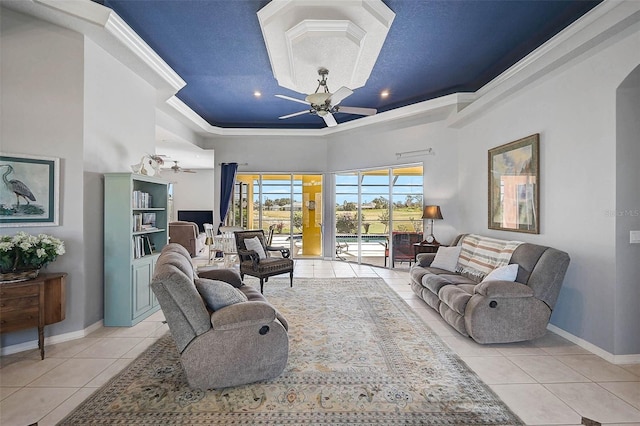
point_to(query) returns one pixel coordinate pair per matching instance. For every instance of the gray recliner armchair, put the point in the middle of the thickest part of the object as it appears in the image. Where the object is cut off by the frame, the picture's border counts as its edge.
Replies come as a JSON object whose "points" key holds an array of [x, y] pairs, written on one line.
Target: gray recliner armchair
{"points": [[237, 344]]}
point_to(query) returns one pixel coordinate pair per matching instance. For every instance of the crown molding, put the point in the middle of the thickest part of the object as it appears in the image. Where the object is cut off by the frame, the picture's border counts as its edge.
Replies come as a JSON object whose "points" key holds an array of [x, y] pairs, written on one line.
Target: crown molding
{"points": [[123, 33], [109, 31], [591, 30], [454, 103]]}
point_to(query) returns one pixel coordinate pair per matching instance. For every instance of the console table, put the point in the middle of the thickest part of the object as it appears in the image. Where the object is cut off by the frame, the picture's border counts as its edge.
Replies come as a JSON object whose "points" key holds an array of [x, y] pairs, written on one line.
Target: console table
{"points": [[33, 303]]}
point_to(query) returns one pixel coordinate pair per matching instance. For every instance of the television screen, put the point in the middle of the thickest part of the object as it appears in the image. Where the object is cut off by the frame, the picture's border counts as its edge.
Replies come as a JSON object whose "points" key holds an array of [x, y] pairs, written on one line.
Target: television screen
{"points": [[200, 217]]}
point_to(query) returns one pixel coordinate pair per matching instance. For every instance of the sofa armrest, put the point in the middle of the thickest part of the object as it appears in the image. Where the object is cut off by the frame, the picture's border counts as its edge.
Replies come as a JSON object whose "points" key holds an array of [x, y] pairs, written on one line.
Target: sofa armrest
{"points": [[503, 289], [243, 314], [425, 259], [228, 275]]}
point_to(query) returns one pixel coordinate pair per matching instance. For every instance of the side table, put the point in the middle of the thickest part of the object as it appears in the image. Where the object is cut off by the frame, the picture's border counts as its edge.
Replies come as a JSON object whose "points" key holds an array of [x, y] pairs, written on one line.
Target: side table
{"points": [[423, 248], [33, 303]]}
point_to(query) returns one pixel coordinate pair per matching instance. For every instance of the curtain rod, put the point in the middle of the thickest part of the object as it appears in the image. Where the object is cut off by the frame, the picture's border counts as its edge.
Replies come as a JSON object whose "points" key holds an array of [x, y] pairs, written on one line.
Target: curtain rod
{"points": [[420, 152], [239, 164]]}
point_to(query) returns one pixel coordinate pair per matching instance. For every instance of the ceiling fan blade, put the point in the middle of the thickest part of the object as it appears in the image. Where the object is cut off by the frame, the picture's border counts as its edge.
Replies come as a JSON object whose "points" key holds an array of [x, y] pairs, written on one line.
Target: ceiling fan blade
{"points": [[289, 98], [357, 110], [340, 95], [188, 171], [294, 114], [330, 120]]}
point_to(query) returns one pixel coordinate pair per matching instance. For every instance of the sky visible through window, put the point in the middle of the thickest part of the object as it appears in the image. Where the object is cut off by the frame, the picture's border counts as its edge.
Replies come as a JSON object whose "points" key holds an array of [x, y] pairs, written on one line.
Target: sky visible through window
{"points": [[373, 186]]}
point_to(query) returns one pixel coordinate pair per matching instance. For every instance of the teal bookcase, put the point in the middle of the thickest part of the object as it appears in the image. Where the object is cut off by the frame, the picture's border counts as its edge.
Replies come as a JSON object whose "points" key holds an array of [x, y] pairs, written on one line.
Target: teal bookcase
{"points": [[135, 231]]}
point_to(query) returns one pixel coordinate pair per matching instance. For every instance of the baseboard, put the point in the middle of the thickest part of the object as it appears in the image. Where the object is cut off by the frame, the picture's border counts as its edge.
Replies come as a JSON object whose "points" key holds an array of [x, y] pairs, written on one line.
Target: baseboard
{"points": [[65, 337], [607, 356]]}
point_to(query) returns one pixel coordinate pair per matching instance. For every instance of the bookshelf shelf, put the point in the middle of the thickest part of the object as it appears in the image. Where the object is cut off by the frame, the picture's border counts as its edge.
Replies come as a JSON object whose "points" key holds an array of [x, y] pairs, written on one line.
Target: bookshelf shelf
{"points": [[149, 231], [130, 252]]}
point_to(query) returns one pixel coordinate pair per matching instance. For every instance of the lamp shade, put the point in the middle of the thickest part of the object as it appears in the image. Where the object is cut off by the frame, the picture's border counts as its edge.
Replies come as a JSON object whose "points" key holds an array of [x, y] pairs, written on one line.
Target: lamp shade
{"points": [[432, 212]]}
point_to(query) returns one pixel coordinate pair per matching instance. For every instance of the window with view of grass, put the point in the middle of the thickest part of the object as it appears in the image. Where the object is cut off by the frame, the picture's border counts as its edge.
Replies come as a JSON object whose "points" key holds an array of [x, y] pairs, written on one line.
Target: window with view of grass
{"points": [[370, 206]]}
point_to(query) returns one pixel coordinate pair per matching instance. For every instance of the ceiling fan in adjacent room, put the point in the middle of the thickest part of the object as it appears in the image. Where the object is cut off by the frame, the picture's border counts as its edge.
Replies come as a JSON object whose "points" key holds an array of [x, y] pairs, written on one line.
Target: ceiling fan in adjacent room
{"points": [[178, 169], [325, 103]]}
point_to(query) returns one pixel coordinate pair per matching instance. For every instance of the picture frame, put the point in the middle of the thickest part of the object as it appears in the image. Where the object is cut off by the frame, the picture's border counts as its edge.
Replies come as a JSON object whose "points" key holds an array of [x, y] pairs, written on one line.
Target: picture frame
{"points": [[514, 186], [29, 191]]}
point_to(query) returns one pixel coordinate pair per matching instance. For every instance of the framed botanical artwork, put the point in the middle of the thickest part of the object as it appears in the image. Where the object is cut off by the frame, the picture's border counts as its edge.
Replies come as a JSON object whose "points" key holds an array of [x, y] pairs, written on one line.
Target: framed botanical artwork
{"points": [[29, 191], [514, 186]]}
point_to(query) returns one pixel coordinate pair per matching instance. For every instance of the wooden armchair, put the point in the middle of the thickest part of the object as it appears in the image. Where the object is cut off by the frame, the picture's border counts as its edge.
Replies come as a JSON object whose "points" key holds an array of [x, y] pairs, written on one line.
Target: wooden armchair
{"points": [[256, 259]]}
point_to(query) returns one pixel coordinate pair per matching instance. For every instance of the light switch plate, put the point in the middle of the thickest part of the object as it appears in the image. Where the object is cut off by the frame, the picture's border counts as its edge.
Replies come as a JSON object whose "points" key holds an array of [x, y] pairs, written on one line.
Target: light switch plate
{"points": [[634, 237]]}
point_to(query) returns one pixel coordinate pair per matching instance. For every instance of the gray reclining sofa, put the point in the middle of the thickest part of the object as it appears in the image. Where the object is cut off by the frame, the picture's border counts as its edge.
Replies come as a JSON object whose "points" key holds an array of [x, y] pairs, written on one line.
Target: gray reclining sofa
{"points": [[495, 311]]}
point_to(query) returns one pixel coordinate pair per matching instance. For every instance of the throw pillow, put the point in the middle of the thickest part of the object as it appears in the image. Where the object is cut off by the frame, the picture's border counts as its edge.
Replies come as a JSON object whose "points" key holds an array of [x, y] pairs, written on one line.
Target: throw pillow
{"points": [[446, 258], [218, 294], [255, 245], [503, 273]]}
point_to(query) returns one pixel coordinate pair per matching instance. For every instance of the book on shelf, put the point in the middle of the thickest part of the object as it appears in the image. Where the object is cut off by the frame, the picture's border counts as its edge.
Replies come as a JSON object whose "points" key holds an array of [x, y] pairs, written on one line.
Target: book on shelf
{"points": [[141, 200], [142, 246], [137, 222]]}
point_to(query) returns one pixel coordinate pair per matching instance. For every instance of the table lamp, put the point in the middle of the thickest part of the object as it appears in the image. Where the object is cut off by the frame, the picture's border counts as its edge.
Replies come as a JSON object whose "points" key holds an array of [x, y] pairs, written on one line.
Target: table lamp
{"points": [[431, 213]]}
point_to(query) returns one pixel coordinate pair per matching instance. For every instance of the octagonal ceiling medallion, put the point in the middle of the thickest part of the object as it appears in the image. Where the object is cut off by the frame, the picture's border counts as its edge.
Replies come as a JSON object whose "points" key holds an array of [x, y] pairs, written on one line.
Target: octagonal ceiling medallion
{"points": [[343, 36]]}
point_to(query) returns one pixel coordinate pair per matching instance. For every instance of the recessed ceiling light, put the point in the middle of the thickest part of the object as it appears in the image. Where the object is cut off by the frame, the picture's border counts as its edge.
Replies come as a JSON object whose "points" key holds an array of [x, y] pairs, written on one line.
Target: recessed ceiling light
{"points": [[257, 94], [384, 94]]}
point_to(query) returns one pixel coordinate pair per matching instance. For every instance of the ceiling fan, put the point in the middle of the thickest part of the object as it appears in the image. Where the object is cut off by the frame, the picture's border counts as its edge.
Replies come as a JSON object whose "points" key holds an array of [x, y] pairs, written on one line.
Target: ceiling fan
{"points": [[325, 103], [178, 169]]}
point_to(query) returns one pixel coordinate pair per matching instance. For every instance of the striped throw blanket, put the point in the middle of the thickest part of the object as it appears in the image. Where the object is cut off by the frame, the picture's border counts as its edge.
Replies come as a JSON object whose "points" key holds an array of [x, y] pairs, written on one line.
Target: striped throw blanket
{"points": [[481, 255]]}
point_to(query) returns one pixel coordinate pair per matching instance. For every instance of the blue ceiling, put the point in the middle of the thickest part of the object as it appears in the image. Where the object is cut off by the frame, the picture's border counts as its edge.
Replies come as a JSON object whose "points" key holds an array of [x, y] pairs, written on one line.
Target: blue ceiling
{"points": [[433, 48]]}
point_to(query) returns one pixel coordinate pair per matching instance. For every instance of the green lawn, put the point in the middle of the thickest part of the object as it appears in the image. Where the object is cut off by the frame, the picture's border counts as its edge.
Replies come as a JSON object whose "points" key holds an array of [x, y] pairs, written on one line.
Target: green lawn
{"points": [[405, 219]]}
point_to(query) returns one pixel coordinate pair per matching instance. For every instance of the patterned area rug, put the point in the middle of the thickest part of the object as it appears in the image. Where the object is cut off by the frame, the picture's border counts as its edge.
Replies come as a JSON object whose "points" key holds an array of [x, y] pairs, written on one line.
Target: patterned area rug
{"points": [[358, 356]]}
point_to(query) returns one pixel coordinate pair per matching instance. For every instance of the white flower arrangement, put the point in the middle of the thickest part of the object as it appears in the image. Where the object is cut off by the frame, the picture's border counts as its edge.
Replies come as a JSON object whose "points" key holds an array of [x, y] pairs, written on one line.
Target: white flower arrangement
{"points": [[23, 251]]}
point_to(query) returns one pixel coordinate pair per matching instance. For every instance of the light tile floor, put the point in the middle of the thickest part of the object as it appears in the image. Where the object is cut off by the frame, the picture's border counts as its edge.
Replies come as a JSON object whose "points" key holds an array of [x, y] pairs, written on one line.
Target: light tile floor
{"points": [[549, 381]]}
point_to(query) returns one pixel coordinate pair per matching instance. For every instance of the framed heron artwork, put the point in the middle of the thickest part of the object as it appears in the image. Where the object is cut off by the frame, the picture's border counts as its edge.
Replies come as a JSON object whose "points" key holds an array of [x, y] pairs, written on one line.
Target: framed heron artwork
{"points": [[29, 190]]}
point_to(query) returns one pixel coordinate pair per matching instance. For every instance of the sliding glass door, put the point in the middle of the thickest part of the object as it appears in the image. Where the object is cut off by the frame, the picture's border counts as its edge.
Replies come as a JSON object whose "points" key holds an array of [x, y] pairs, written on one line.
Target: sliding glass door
{"points": [[290, 205], [375, 207]]}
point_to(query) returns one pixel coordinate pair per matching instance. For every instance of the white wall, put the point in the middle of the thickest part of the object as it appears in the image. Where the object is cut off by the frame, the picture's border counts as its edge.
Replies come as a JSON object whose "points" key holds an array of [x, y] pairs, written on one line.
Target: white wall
{"points": [[42, 114], [627, 214], [192, 191], [575, 113], [63, 96], [119, 128]]}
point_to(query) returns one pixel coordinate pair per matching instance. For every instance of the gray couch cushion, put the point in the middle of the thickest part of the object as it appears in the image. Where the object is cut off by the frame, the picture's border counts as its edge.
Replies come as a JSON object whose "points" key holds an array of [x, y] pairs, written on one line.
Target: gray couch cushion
{"points": [[181, 303], [546, 278], [456, 297], [435, 282], [218, 294], [171, 257], [526, 255], [228, 275]]}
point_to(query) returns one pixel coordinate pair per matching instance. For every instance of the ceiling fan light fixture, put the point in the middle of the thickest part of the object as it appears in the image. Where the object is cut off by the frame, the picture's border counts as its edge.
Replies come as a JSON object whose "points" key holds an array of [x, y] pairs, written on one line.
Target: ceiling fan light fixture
{"points": [[324, 103], [317, 98]]}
